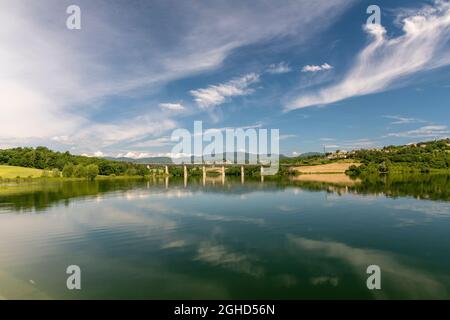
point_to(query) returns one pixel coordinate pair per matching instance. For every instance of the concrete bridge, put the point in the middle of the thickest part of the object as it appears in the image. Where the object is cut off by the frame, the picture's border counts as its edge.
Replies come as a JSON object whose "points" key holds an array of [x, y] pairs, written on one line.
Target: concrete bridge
{"points": [[218, 166]]}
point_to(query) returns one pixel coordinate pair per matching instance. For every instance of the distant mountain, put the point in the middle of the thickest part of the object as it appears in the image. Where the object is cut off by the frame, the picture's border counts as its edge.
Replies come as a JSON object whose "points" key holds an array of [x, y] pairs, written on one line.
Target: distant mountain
{"points": [[149, 160], [168, 160], [245, 155]]}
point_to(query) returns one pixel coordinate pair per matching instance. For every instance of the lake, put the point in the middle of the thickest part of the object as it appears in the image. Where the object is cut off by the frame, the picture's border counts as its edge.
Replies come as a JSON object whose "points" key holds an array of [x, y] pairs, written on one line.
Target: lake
{"points": [[281, 238]]}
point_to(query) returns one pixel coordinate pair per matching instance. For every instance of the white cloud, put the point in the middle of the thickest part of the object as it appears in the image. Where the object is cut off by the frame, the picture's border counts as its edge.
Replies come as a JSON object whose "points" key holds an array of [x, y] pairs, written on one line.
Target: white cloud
{"points": [[279, 68], [403, 120], [433, 131], [60, 138], [154, 142], [327, 139], [135, 155], [141, 155], [52, 79], [351, 144], [172, 106], [359, 144], [215, 95], [220, 256], [129, 132], [424, 45], [287, 136], [412, 282], [314, 68]]}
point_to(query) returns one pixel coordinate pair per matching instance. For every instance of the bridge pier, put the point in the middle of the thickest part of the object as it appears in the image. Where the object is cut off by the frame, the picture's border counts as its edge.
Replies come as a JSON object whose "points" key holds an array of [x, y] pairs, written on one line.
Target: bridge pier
{"points": [[185, 175], [223, 174], [262, 174], [204, 175], [166, 170], [242, 174]]}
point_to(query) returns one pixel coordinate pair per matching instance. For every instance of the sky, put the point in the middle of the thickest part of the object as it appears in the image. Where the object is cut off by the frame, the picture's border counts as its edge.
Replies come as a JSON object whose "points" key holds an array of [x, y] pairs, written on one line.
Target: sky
{"points": [[137, 70]]}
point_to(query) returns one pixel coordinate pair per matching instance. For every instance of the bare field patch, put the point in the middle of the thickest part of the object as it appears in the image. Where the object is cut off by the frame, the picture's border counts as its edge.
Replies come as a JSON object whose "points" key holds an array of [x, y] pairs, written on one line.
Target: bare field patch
{"points": [[337, 167]]}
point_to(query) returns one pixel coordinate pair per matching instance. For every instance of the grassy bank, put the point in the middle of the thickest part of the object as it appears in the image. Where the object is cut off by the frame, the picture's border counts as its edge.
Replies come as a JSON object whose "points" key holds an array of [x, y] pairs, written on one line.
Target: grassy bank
{"points": [[12, 172], [20, 174]]}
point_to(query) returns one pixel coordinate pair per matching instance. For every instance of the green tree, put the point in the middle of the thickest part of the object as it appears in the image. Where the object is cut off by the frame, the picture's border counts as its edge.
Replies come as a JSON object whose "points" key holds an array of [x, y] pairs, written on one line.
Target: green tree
{"points": [[383, 167], [131, 172], [68, 170], [79, 171], [142, 171], [92, 171]]}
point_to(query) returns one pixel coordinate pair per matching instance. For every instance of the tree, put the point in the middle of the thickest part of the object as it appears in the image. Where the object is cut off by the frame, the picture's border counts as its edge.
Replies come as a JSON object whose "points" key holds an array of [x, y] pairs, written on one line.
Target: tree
{"points": [[42, 157], [383, 167], [131, 172], [79, 171], [91, 171], [68, 170], [56, 173], [142, 171]]}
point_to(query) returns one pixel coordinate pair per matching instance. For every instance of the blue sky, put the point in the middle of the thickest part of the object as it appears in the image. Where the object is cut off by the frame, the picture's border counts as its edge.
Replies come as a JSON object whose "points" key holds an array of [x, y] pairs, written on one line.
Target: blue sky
{"points": [[137, 70]]}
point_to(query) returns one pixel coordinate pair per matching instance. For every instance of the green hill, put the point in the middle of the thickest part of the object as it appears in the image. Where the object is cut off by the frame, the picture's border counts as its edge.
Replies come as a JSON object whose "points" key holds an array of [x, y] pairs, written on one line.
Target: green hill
{"points": [[11, 172]]}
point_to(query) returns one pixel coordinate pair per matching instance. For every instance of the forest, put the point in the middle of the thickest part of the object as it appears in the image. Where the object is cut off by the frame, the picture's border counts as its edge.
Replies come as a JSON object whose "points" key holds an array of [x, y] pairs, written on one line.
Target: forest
{"points": [[68, 164]]}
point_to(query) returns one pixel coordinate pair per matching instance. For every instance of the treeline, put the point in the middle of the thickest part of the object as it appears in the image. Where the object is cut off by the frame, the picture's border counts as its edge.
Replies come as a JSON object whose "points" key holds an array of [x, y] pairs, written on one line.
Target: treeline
{"points": [[306, 160], [70, 165], [421, 157]]}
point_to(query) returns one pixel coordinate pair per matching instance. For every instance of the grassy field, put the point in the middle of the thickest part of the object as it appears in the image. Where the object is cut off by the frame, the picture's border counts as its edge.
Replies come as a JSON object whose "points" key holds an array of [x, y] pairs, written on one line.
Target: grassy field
{"points": [[10, 172], [336, 167]]}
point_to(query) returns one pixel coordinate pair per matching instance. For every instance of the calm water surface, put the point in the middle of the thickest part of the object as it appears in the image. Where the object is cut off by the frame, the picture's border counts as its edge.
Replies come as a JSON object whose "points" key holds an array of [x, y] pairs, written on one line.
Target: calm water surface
{"points": [[278, 239]]}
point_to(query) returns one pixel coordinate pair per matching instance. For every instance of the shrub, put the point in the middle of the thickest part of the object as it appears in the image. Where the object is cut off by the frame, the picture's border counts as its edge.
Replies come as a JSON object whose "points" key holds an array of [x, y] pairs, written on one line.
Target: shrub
{"points": [[131, 172], [68, 170], [91, 171], [383, 167], [79, 171]]}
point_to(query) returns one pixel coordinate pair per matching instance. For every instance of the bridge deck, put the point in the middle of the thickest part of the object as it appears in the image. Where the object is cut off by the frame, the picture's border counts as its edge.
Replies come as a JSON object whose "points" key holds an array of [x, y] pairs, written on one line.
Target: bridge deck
{"points": [[209, 165]]}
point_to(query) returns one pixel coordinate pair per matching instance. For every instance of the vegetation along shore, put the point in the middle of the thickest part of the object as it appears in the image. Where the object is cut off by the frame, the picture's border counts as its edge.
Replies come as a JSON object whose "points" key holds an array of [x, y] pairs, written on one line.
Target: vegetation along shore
{"points": [[425, 157]]}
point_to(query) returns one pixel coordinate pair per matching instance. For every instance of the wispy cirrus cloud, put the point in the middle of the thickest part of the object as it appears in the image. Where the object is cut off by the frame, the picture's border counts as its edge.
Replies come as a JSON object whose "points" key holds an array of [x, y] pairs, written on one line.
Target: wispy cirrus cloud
{"points": [[220, 256], [64, 81], [218, 94], [109, 134], [287, 136], [432, 131], [316, 68], [414, 282], [424, 45], [351, 144], [279, 68], [172, 106], [359, 143], [403, 120]]}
